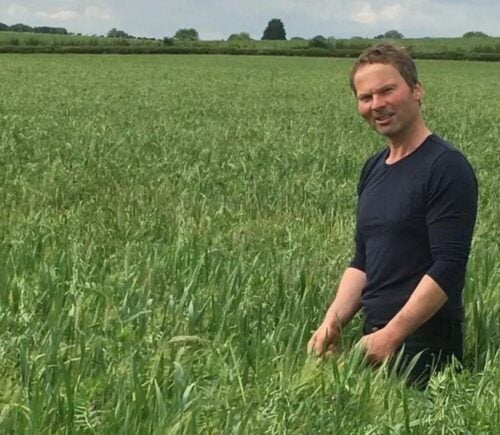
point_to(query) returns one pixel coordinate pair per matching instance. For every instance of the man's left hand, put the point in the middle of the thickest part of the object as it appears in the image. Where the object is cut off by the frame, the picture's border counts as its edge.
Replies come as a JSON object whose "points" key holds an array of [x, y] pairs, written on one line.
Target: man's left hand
{"points": [[378, 346]]}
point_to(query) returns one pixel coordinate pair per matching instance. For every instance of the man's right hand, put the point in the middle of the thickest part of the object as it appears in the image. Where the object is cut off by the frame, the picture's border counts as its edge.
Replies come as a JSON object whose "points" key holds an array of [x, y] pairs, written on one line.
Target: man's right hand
{"points": [[346, 304], [324, 340]]}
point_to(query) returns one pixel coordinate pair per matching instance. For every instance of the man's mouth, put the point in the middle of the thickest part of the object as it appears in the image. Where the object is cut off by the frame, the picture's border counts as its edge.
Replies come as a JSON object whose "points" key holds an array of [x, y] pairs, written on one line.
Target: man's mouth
{"points": [[384, 118]]}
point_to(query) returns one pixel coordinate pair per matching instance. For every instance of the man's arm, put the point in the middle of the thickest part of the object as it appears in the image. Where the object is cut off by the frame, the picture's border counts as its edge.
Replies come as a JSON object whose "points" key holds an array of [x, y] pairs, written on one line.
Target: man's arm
{"points": [[425, 301], [345, 305]]}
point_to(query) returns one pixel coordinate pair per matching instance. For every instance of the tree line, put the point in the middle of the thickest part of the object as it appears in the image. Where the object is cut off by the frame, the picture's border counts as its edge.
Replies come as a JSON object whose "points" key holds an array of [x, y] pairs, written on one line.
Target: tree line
{"points": [[275, 30], [24, 28]]}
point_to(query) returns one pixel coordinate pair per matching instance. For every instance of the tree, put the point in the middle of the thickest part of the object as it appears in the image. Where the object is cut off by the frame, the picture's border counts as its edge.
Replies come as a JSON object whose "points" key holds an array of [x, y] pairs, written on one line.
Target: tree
{"points": [[168, 41], [474, 34], [393, 34], [50, 30], [3, 27], [319, 41], [275, 30], [242, 36], [115, 33], [20, 28], [187, 35]]}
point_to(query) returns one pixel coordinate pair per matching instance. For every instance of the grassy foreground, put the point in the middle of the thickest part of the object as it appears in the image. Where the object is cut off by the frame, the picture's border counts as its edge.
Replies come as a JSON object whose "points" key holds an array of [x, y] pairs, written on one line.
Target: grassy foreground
{"points": [[173, 228]]}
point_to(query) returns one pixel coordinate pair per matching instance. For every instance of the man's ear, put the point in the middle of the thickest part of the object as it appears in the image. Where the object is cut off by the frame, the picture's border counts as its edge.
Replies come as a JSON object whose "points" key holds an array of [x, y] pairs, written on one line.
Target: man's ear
{"points": [[418, 92]]}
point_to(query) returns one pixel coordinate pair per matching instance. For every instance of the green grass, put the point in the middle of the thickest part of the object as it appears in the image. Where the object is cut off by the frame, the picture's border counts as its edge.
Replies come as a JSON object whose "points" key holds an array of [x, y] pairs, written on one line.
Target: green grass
{"points": [[173, 229]]}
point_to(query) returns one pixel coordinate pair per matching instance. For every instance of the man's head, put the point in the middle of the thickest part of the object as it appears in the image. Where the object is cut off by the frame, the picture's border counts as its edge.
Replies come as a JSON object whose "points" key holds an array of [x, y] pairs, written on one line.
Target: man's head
{"points": [[390, 55], [384, 81]]}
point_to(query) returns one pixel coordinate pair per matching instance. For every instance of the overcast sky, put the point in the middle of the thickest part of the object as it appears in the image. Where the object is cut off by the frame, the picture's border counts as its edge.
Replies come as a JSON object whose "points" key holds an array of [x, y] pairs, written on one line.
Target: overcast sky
{"points": [[217, 19]]}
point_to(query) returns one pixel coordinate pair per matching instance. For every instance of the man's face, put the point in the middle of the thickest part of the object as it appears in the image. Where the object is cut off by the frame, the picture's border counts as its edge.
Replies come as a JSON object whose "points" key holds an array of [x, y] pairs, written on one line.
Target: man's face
{"points": [[386, 101]]}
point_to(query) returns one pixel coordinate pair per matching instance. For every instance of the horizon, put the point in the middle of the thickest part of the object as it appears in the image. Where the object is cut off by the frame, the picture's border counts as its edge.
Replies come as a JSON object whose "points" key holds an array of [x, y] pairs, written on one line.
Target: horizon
{"points": [[217, 19], [289, 38]]}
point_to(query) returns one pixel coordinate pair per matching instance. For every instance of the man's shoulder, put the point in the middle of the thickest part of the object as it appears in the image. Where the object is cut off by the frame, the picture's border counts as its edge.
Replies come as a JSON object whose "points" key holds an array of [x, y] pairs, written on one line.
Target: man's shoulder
{"points": [[443, 153], [369, 166], [437, 146], [372, 161], [448, 165]]}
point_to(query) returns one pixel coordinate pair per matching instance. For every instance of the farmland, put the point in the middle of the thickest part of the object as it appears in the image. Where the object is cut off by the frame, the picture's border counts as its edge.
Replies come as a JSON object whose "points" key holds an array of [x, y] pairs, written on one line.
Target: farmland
{"points": [[476, 48], [174, 227]]}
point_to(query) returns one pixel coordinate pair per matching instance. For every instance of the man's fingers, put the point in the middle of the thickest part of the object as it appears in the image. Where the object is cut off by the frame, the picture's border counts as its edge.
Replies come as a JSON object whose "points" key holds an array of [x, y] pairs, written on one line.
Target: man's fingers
{"points": [[321, 342], [315, 345], [312, 344], [319, 347], [329, 351]]}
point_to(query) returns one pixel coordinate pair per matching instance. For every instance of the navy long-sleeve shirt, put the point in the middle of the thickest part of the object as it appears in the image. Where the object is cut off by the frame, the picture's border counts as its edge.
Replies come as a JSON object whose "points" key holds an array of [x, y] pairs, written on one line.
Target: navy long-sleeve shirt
{"points": [[415, 217]]}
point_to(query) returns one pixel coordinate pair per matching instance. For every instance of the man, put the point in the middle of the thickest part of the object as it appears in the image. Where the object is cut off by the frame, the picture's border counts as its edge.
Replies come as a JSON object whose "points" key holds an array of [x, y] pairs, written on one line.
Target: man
{"points": [[417, 204]]}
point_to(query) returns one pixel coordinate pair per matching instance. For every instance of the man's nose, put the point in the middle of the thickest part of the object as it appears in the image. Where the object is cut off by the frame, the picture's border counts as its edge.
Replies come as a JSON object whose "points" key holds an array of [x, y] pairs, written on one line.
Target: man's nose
{"points": [[378, 102]]}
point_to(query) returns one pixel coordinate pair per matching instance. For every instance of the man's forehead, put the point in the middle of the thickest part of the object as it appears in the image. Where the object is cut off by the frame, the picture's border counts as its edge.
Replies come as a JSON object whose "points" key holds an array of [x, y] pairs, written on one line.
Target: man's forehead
{"points": [[379, 69], [376, 75]]}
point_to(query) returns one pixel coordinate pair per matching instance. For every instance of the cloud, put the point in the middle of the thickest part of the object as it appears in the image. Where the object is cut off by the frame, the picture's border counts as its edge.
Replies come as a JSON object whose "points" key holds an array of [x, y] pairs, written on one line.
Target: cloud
{"points": [[364, 13], [14, 10], [98, 13], [392, 12], [89, 13], [58, 16]]}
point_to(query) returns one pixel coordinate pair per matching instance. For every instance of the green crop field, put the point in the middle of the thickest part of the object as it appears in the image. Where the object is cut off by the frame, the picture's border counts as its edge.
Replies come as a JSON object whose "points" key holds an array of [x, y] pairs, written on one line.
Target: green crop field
{"points": [[173, 228]]}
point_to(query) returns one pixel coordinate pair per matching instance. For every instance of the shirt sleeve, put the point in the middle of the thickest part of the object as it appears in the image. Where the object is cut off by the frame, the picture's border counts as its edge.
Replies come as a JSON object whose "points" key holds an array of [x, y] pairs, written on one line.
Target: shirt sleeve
{"points": [[451, 215], [358, 262]]}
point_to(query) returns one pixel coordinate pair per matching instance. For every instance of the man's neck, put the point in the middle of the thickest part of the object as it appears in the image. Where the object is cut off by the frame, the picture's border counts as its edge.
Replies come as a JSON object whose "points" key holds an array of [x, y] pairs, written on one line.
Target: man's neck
{"points": [[401, 146]]}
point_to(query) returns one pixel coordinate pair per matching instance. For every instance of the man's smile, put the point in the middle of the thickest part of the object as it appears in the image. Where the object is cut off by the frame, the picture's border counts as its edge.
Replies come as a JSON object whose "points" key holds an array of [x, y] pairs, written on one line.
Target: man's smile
{"points": [[384, 118]]}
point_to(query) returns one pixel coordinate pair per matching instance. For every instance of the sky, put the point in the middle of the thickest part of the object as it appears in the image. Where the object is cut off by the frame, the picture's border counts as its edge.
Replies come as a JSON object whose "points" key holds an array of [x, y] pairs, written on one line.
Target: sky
{"points": [[217, 19]]}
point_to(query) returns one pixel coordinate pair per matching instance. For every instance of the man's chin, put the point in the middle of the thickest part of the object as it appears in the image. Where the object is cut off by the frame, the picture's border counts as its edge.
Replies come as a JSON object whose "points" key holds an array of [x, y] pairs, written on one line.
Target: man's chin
{"points": [[387, 131]]}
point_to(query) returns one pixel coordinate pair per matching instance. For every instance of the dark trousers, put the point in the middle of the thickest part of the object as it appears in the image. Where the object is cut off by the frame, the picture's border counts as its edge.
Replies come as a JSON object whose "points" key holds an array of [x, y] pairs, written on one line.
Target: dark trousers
{"points": [[427, 350]]}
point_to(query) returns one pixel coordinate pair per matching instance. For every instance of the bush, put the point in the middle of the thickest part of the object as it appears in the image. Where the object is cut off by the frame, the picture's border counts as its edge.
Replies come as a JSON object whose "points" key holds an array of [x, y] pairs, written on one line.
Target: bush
{"points": [[486, 48], [393, 34], [187, 35], [347, 52], [474, 34], [32, 41], [243, 36], [122, 42], [167, 42], [319, 42]]}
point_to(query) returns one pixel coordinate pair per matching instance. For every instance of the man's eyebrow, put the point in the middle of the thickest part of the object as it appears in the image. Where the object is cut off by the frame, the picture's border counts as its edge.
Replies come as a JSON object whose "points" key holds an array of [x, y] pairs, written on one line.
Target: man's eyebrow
{"points": [[363, 95], [381, 89]]}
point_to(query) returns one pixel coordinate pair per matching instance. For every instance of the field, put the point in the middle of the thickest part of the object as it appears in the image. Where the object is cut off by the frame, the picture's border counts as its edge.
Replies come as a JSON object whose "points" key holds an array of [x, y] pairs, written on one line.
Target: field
{"points": [[173, 228]]}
